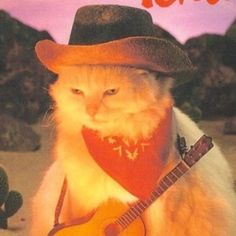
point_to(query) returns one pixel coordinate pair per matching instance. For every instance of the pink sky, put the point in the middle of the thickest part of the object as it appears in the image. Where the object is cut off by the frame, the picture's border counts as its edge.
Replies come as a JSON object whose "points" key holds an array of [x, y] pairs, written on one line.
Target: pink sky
{"points": [[192, 18]]}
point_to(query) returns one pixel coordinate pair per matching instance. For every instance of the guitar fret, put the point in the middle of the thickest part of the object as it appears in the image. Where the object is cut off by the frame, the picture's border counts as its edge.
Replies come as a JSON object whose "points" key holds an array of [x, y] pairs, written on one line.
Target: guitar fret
{"points": [[169, 179], [152, 197], [167, 182], [121, 223], [181, 172], [173, 176], [149, 202], [141, 206], [144, 204], [125, 219], [184, 167], [162, 183], [131, 214], [158, 191], [178, 171], [136, 212], [161, 188]]}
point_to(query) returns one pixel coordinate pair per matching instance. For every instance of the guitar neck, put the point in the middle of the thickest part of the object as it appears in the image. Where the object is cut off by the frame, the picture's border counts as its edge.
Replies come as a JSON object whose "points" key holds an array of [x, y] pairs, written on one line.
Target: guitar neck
{"points": [[197, 151]]}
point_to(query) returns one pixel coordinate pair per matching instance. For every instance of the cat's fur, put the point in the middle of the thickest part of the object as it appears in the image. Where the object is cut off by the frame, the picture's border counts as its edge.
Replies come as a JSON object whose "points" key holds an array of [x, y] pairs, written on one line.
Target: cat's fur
{"points": [[201, 203]]}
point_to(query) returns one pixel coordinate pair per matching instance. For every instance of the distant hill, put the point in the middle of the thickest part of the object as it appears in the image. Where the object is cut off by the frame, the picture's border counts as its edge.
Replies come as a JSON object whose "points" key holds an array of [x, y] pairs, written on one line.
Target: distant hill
{"points": [[23, 81], [231, 32], [212, 88]]}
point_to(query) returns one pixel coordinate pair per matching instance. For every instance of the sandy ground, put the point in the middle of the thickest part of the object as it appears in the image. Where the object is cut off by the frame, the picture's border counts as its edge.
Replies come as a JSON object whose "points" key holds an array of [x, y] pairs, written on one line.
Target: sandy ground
{"points": [[25, 170]]}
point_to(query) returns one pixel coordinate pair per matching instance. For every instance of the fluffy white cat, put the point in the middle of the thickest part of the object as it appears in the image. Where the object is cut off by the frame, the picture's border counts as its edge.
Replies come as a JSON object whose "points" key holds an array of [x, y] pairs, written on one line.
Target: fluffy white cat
{"points": [[129, 102]]}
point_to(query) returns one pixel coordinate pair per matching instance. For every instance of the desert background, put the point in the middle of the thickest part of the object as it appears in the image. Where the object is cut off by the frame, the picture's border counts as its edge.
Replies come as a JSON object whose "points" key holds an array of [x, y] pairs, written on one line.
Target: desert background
{"points": [[208, 95]]}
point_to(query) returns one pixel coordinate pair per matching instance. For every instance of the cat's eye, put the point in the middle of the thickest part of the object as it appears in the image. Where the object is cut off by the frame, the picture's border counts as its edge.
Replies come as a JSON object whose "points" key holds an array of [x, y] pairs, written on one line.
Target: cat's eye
{"points": [[111, 92], [76, 91]]}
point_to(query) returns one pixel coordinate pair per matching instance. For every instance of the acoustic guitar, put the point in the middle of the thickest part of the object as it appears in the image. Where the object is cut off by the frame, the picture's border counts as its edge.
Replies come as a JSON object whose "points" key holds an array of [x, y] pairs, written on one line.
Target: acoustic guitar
{"points": [[114, 218]]}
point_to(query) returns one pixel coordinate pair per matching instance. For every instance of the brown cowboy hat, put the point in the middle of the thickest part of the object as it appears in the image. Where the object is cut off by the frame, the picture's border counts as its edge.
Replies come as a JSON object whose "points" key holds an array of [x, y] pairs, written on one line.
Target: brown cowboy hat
{"points": [[114, 35]]}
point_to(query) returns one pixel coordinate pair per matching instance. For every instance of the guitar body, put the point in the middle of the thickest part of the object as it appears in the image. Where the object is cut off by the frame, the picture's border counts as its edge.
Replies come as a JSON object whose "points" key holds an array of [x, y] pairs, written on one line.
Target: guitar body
{"points": [[105, 216]]}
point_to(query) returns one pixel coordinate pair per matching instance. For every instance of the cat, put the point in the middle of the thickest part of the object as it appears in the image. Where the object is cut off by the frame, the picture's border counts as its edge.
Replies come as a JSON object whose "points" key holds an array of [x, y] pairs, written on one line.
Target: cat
{"points": [[129, 102]]}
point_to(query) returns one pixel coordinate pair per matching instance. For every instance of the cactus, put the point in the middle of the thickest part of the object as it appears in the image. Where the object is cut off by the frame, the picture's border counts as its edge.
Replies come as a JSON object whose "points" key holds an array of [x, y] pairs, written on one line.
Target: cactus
{"points": [[3, 220], [13, 203], [4, 188], [10, 202]]}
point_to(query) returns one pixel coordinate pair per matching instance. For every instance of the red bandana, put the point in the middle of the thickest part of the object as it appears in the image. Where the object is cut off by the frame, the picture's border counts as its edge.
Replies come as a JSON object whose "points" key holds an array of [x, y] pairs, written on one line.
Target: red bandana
{"points": [[135, 166]]}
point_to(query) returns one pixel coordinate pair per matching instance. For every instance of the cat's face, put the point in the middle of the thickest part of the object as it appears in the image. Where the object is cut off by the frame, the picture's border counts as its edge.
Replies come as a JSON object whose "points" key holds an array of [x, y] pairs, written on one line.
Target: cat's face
{"points": [[105, 98]]}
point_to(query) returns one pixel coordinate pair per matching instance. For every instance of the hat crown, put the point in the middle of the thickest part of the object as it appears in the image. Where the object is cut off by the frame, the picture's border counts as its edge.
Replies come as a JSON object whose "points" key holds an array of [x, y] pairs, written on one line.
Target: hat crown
{"points": [[102, 23], [114, 35]]}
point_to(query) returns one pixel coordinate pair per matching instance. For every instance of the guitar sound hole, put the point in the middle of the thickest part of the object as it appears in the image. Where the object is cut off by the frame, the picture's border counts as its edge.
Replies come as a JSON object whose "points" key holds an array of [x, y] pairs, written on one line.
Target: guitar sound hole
{"points": [[112, 230]]}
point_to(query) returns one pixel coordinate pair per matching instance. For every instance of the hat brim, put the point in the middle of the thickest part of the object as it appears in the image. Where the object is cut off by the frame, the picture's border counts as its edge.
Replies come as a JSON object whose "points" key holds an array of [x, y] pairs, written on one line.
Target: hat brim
{"points": [[142, 52]]}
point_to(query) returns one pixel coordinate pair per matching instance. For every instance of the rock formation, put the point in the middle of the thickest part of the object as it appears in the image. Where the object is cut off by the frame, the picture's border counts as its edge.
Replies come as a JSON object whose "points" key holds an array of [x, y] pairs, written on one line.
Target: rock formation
{"points": [[23, 81]]}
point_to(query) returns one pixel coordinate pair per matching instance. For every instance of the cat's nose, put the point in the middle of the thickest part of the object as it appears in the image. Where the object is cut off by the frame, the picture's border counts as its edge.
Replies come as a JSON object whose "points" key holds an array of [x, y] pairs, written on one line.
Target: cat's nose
{"points": [[91, 110], [92, 104]]}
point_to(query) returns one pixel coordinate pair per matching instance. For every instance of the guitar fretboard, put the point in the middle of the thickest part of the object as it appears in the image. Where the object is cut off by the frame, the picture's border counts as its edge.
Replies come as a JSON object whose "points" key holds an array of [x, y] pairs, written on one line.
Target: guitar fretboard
{"points": [[202, 146], [137, 209]]}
